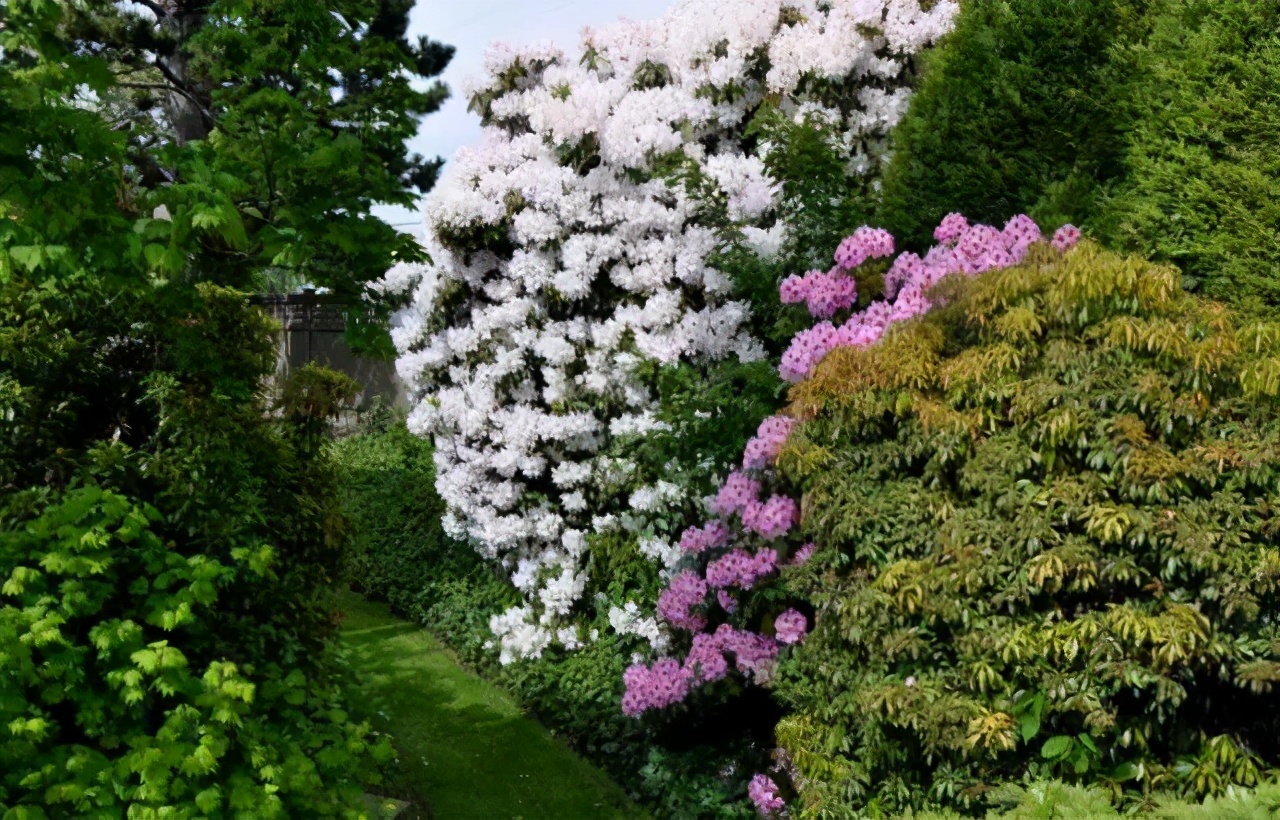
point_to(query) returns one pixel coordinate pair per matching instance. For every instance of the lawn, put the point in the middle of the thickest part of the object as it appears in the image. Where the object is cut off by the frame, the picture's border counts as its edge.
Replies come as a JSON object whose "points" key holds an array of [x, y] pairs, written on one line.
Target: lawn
{"points": [[465, 749]]}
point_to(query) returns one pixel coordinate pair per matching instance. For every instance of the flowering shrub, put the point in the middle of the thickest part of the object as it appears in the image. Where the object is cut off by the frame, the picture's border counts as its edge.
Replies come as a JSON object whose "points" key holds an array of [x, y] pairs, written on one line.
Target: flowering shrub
{"points": [[963, 249], [571, 251], [1047, 520]]}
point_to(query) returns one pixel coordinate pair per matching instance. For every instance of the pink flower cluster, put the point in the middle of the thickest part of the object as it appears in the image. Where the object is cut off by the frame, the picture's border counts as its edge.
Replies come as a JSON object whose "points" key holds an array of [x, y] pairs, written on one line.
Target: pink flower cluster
{"points": [[764, 793], [664, 684], [685, 591], [963, 249], [741, 569], [752, 653], [668, 681], [823, 293], [790, 627], [803, 554], [1019, 234], [698, 539], [866, 243], [951, 228], [771, 519], [1066, 237], [772, 434], [739, 490]]}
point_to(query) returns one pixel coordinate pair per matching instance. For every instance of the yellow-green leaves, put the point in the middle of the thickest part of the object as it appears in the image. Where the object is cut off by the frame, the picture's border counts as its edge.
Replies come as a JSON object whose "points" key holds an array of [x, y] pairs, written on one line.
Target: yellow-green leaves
{"points": [[1061, 515]]}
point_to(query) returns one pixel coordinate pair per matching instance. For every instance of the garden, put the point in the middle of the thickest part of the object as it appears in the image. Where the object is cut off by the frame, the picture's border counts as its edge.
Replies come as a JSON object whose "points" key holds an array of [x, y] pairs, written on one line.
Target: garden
{"points": [[814, 409]]}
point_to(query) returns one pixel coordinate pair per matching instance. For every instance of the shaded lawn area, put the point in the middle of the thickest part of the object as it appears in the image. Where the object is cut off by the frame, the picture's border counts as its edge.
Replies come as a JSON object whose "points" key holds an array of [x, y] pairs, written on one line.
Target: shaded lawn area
{"points": [[465, 748]]}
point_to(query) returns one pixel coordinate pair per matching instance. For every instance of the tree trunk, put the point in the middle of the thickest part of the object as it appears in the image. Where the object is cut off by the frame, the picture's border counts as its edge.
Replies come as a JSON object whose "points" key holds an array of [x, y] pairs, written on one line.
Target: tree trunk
{"points": [[189, 117]]}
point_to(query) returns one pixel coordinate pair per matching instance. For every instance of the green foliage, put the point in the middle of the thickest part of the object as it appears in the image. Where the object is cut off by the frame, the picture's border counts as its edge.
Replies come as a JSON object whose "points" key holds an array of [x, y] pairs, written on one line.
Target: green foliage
{"points": [[162, 617], [1016, 112], [1049, 546], [266, 174], [1055, 800], [312, 398], [1203, 179], [168, 546], [1150, 124]]}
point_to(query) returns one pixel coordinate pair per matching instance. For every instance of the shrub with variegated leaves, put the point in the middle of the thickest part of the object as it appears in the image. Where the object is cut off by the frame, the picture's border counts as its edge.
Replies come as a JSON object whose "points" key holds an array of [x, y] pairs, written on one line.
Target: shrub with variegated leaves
{"points": [[1049, 545]]}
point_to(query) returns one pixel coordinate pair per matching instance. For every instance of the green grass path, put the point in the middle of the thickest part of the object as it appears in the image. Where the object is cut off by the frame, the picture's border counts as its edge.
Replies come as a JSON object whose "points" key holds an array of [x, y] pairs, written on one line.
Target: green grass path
{"points": [[465, 748]]}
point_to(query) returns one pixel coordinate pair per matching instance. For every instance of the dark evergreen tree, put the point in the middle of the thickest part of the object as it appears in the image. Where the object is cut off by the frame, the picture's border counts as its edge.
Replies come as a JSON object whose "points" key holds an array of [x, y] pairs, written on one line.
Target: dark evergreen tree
{"points": [[297, 112]]}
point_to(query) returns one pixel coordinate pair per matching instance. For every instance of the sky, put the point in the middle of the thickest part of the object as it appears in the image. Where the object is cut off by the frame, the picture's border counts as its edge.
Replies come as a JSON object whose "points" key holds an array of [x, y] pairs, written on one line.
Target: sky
{"points": [[469, 26]]}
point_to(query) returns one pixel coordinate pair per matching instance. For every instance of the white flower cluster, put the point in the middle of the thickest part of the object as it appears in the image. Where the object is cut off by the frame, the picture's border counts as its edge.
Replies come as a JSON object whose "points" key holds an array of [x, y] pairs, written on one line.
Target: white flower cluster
{"points": [[629, 620], [566, 255]]}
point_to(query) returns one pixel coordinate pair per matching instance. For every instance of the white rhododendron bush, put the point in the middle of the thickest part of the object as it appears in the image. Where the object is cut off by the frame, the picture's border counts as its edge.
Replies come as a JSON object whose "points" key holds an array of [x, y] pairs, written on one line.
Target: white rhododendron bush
{"points": [[573, 248]]}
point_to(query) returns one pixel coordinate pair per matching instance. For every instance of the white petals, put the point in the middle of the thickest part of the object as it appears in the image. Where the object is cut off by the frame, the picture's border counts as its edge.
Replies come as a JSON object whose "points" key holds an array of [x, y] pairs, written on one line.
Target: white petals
{"points": [[564, 262]]}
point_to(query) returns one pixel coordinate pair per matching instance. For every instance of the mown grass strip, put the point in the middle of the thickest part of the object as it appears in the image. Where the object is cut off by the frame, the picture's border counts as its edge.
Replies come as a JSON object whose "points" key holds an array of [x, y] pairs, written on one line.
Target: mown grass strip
{"points": [[464, 747]]}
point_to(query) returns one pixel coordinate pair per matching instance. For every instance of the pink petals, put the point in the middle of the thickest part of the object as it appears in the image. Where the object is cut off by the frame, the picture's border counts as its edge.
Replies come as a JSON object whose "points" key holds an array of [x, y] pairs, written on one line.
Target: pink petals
{"points": [[764, 793], [770, 437], [963, 249], [686, 591], [1065, 238], [790, 627]]}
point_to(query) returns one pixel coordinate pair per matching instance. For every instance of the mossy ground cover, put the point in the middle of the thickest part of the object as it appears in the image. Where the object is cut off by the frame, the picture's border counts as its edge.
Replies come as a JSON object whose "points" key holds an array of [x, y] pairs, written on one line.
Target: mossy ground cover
{"points": [[465, 749]]}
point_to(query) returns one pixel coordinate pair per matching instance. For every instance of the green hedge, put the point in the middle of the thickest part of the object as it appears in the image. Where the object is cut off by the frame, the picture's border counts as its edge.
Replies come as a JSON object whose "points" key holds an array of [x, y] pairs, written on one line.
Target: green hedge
{"points": [[1202, 186], [1150, 124], [1016, 112]]}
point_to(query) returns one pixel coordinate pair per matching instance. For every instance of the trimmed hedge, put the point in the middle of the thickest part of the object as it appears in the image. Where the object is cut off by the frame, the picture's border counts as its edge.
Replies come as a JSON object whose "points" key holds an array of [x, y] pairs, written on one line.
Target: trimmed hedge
{"points": [[1016, 112], [1150, 124], [1202, 186]]}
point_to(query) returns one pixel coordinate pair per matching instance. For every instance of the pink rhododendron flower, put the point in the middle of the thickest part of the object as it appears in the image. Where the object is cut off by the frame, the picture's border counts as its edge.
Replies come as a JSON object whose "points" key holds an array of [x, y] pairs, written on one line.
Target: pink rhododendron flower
{"points": [[764, 793], [698, 539], [807, 348], [952, 227], [664, 684], [741, 569], [865, 243], [823, 293], [962, 249], [790, 627], [752, 652], [770, 437], [771, 519], [739, 489], [686, 591], [706, 661], [1020, 233], [906, 268], [1066, 237]]}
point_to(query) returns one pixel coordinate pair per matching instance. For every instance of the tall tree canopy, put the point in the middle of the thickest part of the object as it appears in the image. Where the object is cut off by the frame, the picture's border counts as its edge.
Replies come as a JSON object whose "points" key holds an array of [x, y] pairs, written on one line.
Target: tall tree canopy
{"points": [[287, 119]]}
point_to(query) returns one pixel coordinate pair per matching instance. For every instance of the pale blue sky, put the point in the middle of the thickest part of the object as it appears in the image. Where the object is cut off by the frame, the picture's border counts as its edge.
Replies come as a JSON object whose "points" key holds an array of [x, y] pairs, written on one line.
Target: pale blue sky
{"points": [[470, 25]]}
